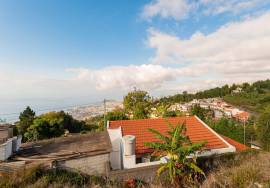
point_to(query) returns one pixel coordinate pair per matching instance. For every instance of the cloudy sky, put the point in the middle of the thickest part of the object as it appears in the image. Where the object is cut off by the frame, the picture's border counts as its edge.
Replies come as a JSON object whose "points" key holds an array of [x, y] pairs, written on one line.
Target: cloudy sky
{"points": [[64, 52]]}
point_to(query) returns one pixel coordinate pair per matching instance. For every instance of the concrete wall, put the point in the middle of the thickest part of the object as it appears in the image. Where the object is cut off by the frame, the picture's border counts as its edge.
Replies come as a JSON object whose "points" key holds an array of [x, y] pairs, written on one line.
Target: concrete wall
{"points": [[6, 150], [92, 165], [147, 173], [115, 156]]}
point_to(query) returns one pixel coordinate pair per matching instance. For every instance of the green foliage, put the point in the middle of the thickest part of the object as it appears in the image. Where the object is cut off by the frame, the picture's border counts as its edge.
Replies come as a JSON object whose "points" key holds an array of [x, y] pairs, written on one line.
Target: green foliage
{"points": [[137, 103], [116, 114], [41, 178], [52, 124], [26, 119], [233, 129], [94, 124], [263, 128], [198, 111], [181, 170], [253, 96], [169, 114], [63, 120]]}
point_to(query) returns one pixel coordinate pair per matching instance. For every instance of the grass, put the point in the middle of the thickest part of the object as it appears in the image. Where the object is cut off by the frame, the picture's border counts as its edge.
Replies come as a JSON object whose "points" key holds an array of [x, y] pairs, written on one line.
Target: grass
{"points": [[247, 169], [40, 178]]}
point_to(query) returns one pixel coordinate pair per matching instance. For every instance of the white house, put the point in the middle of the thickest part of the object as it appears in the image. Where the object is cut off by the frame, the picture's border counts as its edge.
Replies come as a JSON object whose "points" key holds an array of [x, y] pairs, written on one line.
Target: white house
{"points": [[128, 138]]}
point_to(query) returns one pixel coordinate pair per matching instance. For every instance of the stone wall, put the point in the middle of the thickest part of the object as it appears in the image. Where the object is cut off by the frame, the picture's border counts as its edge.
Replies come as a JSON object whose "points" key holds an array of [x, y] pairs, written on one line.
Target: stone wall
{"points": [[147, 173], [6, 150], [92, 165]]}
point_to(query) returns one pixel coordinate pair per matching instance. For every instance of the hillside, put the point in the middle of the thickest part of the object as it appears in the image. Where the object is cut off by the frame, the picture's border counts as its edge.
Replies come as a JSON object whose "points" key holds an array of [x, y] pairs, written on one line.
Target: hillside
{"points": [[251, 97], [248, 169]]}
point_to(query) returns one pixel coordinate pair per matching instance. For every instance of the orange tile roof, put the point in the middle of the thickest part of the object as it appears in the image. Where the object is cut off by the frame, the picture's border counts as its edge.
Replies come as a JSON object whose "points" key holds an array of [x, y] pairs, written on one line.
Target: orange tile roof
{"points": [[242, 115], [238, 146], [196, 131]]}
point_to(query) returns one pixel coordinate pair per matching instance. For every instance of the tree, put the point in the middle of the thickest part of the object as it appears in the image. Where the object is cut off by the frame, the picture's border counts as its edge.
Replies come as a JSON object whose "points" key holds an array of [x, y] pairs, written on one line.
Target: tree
{"points": [[26, 119], [198, 111], [116, 114], [181, 168], [64, 120], [137, 103], [169, 113], [263, 128], [53, 124], [233, 130], [37, 131], [42, 129]]}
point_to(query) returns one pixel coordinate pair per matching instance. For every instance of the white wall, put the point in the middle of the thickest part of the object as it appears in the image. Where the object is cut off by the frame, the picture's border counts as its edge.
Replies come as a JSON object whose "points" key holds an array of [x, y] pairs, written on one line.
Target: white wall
{"points": [[6, 150], [116, 140], [11, 145]]}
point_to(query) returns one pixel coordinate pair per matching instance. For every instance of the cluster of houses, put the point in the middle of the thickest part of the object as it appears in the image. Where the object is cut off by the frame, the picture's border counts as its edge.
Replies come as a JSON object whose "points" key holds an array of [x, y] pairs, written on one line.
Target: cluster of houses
{"points": [[120, 148], [220, 108]]}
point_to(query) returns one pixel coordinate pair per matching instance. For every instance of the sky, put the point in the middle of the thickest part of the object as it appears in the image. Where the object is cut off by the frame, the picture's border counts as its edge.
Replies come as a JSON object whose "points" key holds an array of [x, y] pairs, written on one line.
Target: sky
{"points": [[57, 53]]}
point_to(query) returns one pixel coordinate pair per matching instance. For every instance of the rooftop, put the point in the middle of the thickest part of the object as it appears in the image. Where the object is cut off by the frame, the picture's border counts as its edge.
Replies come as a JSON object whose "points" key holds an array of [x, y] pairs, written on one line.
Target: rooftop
{"points": [[68, 147], [196, 130], [238, 146]]}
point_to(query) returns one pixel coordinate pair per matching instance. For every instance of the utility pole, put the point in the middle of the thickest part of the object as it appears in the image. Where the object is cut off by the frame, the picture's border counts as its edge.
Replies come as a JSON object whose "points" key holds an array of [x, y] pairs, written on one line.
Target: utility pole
{"points": [[105, 114], [244, 132]]}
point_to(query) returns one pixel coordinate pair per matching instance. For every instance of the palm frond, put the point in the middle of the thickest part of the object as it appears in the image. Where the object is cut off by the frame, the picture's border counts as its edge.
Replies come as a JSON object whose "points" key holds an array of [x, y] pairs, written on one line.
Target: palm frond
{"points": [[159, 135]]}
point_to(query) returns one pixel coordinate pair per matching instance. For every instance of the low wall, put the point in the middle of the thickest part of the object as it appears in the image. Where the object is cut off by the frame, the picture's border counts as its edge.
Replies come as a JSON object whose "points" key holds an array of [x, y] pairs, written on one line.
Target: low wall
{"points": [[92, 165], [6, 150], [147, 173]]}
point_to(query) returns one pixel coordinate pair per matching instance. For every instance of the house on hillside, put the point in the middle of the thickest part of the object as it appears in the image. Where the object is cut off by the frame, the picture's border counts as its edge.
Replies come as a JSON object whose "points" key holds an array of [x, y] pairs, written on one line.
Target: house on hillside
{"points": [[237, 90], [88, 153], [9, 144], [128, 138], [242, 116]]}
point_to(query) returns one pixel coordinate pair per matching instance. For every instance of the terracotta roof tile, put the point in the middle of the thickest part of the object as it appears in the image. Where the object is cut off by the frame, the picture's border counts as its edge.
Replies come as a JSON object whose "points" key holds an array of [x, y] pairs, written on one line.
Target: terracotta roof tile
{"points": [[196, 131], [238, 146]]}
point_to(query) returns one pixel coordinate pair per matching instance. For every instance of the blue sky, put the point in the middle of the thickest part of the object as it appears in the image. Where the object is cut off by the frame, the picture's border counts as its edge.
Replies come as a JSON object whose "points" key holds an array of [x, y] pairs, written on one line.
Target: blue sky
{"points": [[63, 52]]}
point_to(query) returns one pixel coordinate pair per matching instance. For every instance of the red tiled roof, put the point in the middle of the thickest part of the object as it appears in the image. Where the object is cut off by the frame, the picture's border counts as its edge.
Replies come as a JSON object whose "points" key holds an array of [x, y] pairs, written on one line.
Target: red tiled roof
{"points": [[238, 146], [196, 131], [243, 115]]}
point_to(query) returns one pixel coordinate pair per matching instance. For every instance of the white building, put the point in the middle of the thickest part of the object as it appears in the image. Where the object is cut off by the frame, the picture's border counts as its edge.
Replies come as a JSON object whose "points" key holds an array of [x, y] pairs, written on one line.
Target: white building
{"points": [[128, 138], [9, 144]]}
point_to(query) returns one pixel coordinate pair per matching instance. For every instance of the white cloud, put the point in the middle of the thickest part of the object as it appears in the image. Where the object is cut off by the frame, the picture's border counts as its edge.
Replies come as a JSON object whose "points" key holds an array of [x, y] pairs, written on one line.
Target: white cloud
{"points": [[126, 77], [177, 9], [239, 43], [214, 7], [181, 9], [236, 52]]}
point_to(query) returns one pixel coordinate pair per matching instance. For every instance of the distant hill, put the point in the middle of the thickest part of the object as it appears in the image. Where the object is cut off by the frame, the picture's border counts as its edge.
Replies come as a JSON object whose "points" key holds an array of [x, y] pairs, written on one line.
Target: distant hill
{"points": [[252, 97]]}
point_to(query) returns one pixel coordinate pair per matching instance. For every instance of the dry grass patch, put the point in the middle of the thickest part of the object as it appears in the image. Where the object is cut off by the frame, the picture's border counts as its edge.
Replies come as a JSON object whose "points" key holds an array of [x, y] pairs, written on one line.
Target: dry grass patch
{"points": [[252, 170]]}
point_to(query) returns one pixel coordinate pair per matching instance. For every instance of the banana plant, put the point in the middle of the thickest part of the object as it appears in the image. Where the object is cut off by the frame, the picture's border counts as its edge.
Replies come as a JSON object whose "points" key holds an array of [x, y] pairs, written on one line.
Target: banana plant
{"points": [[180, 152]]}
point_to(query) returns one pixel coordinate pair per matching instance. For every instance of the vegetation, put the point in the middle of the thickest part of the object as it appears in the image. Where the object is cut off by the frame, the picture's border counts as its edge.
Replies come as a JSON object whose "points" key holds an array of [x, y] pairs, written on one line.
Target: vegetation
{"points": [[137, 104], [249, 169], [241, 170], [117, 114], [202, 113], [26, 119], [49, 125], [233, 129], [253, 97], [181, 170], [40, 178], [263, 128]]}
